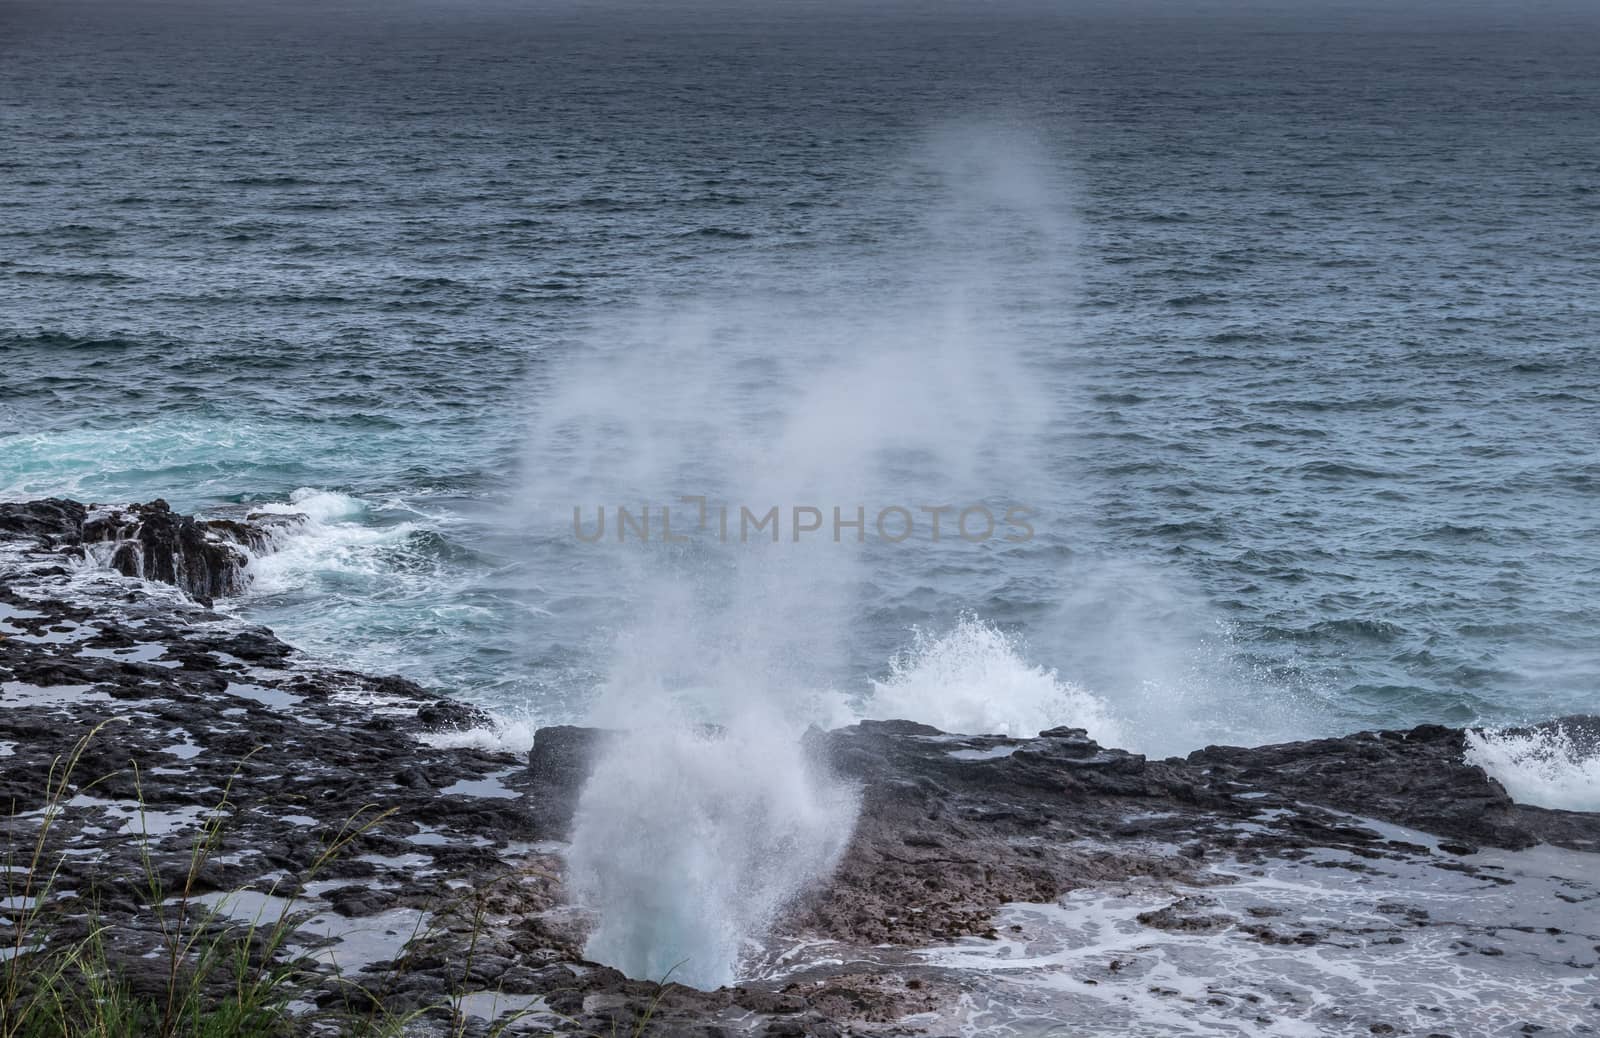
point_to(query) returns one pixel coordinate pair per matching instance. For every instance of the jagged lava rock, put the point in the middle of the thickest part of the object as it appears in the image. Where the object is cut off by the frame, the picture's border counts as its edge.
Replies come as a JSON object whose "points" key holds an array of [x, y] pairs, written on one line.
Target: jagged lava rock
{"points": [[156, 543], [53, 520], [207, 558], [952, 827]]}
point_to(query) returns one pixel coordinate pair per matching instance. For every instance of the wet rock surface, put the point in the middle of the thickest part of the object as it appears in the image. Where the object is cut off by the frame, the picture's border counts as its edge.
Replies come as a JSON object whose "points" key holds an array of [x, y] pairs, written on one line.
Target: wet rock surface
{"points": [[446, 894], [953, 826], [51, 521], [204, 558]]}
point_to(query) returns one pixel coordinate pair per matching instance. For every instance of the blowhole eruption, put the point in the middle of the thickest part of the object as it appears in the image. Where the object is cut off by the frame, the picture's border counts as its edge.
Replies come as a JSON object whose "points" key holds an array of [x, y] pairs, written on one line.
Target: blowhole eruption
{"points": [[772, 519], [705, 818]]}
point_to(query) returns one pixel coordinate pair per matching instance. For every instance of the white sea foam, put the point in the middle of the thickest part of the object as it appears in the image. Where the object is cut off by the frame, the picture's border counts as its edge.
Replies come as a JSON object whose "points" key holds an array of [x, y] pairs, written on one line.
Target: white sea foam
{"points": [[1545, 767], [335, 540], [503, 735], [1050, 962], [975, 679], [319, 506]]}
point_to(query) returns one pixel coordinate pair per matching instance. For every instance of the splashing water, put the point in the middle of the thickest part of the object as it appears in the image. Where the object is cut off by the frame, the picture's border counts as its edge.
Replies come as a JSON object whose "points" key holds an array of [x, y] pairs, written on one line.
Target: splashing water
{"points": [[1547, 767], [705, 816], [701, 837], [975, 680], [333, 542]]}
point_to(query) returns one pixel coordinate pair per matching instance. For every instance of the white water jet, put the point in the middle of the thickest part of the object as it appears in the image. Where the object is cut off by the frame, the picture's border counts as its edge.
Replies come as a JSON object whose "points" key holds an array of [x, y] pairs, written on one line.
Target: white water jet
{"points": [[705, 816], [690, 841], [882, 381]]}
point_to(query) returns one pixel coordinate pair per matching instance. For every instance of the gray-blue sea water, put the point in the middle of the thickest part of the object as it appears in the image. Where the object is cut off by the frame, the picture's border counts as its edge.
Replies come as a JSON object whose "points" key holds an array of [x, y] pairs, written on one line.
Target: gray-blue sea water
{"points": [[1311, 302]]}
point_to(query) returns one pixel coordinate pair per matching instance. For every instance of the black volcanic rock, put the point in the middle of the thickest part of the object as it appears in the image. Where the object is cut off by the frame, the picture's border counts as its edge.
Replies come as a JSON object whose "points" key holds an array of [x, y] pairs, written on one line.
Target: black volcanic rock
{"points": [[156, 543], [54, 520], [1418, 778], [450, 716], [951, 827], [206, 558], [558, 765]]}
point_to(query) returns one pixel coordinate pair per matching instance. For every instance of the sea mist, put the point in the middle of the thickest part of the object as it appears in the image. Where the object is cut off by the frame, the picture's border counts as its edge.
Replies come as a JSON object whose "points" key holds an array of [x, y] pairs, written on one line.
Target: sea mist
{"points": [[844, 378]]}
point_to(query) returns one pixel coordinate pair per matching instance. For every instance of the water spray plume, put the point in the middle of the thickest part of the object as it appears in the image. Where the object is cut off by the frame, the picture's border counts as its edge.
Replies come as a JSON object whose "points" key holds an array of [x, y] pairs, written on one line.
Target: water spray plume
{"points": [[704, 816]]}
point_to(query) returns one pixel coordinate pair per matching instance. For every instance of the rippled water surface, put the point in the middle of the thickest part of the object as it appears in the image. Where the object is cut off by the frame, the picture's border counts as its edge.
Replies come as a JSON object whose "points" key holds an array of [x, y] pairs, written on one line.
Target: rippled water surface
{"points": [[1307, 298]]}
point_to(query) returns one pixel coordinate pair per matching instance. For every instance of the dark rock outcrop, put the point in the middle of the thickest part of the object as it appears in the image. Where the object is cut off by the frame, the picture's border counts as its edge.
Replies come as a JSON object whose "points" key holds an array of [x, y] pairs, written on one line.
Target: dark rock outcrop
{"points": [[558, 765], [988, 820], [156, 543], [206, 558], [447, 715], [53, 520], [951, 827], [1418, 778]]}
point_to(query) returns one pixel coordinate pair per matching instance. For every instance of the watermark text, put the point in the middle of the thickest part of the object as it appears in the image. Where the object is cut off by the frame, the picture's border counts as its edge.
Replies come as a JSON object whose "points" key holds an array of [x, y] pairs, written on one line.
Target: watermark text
{"points": [[695, 516]]}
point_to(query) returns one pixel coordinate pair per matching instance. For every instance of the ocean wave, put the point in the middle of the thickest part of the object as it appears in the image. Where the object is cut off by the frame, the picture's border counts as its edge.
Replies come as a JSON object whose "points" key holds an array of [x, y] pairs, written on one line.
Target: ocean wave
{"points": [[975, 680], [345, 536], [279, 180], [52, 341], [319, 506], [1555, 765], [1196, 299], [1336, 470], [1359, 628], [718, 232], [130, 462], [335, 542], [106, 276]]}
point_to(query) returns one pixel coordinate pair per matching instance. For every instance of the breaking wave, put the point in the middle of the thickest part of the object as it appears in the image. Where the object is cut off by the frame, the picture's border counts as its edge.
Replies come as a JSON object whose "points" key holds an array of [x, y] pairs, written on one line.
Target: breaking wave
{"points": [[1553, 766], [336, 540], [975, 680]]}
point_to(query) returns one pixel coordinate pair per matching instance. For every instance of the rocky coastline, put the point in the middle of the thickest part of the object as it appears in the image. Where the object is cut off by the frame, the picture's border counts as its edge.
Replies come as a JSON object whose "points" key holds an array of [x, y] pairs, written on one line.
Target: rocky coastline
{"points": [[446, 899]]}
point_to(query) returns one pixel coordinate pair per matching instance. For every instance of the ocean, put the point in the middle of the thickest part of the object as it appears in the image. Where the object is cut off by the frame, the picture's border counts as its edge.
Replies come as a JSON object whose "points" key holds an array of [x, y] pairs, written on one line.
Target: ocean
{"points": [[1277, 318]]}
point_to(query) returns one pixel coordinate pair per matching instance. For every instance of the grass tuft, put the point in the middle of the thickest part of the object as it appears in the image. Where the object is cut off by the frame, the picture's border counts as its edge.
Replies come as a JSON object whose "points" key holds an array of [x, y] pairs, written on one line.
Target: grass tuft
{"points": [[217, 977]]}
